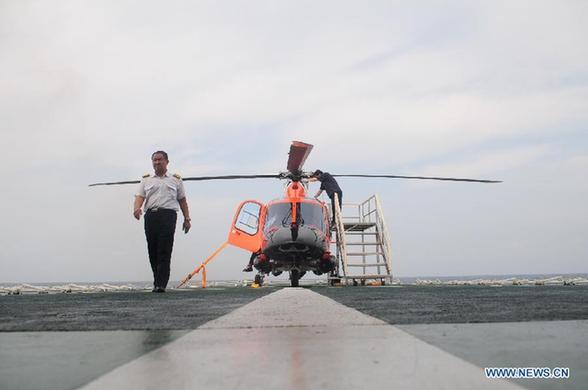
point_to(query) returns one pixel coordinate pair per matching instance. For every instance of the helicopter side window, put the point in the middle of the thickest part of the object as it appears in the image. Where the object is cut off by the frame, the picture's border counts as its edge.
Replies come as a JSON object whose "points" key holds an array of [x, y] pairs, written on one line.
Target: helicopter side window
{"points": [[248, 218]]}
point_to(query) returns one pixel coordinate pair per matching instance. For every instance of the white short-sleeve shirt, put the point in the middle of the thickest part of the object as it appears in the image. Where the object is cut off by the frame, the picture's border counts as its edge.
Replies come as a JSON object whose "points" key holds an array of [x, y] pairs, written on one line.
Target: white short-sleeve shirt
{"points": [[162, 191]]}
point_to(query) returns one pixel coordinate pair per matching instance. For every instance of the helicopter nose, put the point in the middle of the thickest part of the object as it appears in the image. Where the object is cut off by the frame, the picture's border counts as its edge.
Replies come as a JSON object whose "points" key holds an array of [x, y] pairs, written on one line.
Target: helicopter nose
{"points": [[285, 241], [293, 247]]}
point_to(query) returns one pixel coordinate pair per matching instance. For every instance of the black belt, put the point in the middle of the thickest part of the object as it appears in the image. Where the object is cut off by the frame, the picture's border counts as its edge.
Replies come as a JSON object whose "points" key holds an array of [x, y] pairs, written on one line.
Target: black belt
{"points": [[159, 209]]}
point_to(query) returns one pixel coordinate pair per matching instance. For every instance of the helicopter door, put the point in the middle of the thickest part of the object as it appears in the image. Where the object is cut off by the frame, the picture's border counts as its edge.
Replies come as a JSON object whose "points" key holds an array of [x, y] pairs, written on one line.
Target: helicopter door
{"points": [[246, 231]]}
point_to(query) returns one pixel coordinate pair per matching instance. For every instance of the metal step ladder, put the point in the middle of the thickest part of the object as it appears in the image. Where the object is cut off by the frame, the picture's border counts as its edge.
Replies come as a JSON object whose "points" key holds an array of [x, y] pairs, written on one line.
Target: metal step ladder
{"points": [[361, 244]]}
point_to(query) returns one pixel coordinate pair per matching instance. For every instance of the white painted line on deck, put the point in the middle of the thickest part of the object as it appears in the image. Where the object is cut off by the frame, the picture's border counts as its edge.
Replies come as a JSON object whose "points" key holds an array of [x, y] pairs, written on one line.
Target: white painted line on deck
{"points": [[297, 339]]}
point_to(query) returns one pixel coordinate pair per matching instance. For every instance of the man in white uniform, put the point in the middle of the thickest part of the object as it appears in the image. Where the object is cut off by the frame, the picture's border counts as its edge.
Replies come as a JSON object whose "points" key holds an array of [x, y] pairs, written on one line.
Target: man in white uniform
{"points": [[163, 194]]}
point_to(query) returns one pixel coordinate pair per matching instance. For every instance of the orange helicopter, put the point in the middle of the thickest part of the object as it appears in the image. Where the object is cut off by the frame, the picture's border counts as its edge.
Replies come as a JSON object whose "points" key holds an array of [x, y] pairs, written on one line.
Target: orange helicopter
{"points": [[291, 234]]}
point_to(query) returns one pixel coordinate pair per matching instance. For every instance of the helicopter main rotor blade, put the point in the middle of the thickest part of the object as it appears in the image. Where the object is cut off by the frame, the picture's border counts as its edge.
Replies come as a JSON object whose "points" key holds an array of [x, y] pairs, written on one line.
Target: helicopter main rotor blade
{"points": [[423, 178], [299, 151], [288, 175], [115, 183], [230, 177], [197, 178]]}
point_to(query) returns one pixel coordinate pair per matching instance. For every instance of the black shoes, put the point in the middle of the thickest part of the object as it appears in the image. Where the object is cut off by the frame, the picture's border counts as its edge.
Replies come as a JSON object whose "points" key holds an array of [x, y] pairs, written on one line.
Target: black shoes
{"points": [[249, 268], [158, 290]]}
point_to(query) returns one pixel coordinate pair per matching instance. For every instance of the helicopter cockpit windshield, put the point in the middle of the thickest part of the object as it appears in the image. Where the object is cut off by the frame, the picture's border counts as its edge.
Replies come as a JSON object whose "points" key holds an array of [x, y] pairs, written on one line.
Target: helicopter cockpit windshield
{"points": [[312, 215], [280, 215]]}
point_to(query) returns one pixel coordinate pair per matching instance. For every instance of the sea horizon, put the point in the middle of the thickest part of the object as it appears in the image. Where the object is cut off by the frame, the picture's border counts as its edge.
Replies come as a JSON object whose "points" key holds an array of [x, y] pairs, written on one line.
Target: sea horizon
{"points": [[313, 278]]}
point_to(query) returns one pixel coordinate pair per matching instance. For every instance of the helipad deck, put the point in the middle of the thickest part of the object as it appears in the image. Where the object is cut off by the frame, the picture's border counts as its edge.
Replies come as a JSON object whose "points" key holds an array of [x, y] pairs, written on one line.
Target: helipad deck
{"points": [[295, 338]]}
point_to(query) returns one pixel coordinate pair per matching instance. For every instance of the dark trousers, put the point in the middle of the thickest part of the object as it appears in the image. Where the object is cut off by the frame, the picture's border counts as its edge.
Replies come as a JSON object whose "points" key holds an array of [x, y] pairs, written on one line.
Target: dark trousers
{"points": [[340, 198], [160, 227]]}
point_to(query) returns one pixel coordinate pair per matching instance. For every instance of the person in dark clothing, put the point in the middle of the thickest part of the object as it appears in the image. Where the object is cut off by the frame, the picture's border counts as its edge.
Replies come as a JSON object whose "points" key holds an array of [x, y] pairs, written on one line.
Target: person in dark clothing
{"points": [[249, 267], [330, 185]]}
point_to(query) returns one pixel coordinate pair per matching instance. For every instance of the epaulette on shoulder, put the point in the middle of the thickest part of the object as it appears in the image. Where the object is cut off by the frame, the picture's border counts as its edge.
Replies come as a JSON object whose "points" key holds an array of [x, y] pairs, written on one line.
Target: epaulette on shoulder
{"points": [[146, 175], [177, 176]]}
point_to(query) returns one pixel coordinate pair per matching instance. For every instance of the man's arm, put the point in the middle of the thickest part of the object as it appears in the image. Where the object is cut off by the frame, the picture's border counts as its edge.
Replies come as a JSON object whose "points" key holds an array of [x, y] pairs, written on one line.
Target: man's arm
{"points": [[137, 206], [310, 180], [186, 211]]}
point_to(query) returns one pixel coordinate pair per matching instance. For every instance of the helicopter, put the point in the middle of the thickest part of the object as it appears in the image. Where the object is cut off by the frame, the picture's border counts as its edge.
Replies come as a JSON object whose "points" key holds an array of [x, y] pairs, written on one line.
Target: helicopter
{"points": [[290, 234]]}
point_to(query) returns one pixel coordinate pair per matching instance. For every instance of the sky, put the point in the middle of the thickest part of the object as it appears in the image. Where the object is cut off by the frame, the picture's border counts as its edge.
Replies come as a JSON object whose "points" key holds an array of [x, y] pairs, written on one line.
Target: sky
{"points": [[482, 89]]}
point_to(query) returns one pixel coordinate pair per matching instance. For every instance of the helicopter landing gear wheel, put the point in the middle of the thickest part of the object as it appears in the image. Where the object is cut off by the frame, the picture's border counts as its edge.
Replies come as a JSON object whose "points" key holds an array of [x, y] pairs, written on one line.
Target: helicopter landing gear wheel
{"points": [[259, 280], [294, 277], [334, 279]]}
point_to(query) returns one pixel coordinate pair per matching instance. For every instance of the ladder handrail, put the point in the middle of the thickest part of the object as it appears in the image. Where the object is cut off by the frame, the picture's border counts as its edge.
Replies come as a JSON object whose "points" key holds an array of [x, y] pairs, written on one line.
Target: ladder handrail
{"points": [[362, 206], [341, 248], [384, 233]]}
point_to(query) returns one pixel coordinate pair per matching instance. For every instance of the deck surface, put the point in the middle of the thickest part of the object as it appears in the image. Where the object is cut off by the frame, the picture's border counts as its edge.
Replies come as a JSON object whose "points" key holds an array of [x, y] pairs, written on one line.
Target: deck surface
{"points": [[413, 337]]}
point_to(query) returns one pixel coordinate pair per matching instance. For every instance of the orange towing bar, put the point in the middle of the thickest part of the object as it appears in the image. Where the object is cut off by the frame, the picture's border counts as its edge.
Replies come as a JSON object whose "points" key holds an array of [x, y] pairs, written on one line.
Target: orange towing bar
{"points": [[202, 267]]}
